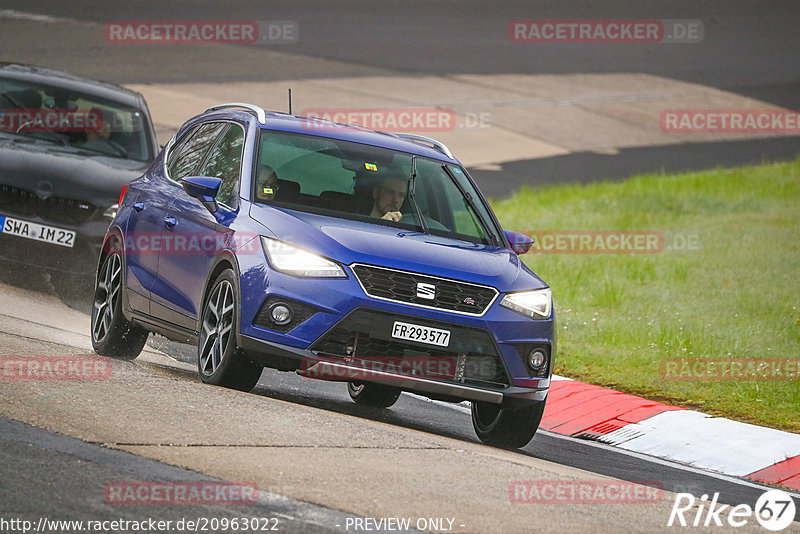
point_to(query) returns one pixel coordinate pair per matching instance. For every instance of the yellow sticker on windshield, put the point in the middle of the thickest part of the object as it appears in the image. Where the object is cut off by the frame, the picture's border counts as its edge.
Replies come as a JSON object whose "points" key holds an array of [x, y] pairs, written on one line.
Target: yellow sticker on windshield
{"points": [[268, 191], [371, 167]]}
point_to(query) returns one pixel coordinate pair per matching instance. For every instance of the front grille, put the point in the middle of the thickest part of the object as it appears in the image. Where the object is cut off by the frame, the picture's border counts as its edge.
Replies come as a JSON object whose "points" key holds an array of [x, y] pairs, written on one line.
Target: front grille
{"points": [[364, 336], [403, 286], [24, 203]]}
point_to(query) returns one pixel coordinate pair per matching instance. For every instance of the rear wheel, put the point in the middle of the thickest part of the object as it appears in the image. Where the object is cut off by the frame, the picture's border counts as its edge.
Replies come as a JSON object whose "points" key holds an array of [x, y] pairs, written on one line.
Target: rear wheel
{"points": [[373, 395], [505, 428], [112, 334], [219, 360]]}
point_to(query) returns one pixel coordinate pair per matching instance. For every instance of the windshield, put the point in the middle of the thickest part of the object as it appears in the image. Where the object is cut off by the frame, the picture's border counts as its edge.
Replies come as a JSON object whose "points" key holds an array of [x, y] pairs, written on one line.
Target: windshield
{"points": [[66, 117], [371, 184]]}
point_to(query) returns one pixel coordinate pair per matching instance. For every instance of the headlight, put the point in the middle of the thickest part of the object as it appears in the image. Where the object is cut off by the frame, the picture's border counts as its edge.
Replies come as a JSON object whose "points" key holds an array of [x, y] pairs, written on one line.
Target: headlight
{"points": [[535, 304], [298, 262], [111, 212]]}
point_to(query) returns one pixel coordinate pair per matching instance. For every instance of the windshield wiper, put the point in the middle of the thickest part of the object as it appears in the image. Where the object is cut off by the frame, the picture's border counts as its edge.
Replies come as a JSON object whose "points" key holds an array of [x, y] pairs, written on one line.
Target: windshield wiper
{"points": [[411, 194], [13, 102], [471, 202], [121, 152]]}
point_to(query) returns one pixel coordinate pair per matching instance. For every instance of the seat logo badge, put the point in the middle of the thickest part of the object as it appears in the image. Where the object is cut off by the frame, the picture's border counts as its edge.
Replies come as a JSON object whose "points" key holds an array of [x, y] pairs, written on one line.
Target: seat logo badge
{"points": [[470, 301], [426, 291]]}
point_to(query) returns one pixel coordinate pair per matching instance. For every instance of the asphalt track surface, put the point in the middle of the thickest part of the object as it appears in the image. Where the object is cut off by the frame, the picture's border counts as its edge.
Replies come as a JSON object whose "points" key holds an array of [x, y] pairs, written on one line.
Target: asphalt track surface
{"points": [[749, 48], [79, 471], [56, 476]]}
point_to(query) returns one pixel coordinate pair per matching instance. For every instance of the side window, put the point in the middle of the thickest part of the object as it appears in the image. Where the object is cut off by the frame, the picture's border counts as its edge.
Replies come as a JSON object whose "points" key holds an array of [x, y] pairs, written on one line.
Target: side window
{"points": [[479, 205], [225, 162], [449, 206], [178, 146], [313, 162], [191, 153]]}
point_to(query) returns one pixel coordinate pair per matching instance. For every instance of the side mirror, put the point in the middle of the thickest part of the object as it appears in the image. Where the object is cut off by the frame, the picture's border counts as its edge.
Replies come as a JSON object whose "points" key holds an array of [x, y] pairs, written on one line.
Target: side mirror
{"points": [[204, 189], [520, 243]]}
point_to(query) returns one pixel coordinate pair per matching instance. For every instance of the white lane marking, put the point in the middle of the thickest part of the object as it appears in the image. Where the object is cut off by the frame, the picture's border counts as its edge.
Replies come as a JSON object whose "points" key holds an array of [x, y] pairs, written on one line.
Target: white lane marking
{"points": [[621, 435], [464, 408], [35, 17], [714, 443], [667, 463]]}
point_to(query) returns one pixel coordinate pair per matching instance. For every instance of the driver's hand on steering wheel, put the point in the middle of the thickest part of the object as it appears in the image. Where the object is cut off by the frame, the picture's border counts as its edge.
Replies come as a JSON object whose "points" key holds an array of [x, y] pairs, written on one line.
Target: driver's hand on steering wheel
{"points": [[392, 216]]}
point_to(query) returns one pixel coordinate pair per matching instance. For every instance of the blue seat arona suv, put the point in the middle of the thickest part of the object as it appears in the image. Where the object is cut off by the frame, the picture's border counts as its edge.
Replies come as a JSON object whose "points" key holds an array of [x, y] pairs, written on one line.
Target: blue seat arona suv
{"points": [[334, 251]]}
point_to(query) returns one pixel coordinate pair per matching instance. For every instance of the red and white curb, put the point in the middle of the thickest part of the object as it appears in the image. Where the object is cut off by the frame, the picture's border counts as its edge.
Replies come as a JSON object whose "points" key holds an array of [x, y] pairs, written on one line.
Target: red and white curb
{"points": [[739, 449]]}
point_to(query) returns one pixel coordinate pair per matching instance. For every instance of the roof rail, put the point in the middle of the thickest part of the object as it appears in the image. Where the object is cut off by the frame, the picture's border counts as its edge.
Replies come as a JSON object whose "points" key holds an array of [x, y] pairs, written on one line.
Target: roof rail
{"points": [[260, 114], [438, 145]]}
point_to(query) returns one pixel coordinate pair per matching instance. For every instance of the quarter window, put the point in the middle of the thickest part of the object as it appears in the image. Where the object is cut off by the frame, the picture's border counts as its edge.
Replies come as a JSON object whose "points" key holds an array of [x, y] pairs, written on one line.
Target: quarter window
{"points": [[192, 152], [224, 163]]}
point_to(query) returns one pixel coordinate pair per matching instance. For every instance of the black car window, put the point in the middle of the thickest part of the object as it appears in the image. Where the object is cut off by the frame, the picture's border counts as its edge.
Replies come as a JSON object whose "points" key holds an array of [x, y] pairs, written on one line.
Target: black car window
{"points": [[357, 181], [225, 162], [192, 153], [67, 116], [176, 148]]}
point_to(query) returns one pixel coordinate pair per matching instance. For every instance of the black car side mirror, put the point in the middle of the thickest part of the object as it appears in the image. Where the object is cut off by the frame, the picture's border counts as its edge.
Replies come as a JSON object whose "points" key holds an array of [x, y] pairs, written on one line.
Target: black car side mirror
{"points": [[520, 243], [204, 189]]}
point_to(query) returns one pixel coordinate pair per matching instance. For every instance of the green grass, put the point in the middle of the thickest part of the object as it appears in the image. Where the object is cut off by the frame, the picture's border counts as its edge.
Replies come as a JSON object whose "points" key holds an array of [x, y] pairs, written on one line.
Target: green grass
{"points": [[736, 296]]}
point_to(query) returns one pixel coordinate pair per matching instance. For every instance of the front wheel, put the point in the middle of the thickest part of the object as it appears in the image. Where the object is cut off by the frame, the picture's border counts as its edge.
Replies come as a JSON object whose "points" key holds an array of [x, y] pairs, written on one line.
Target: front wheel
{"points": [[505, 428], [373, 395], [219, 360], [112, 334]]}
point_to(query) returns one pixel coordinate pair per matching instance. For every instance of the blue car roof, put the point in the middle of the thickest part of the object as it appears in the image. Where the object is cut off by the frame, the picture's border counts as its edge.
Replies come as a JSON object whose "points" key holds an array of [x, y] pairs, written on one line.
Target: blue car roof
{"points": [[301, 124]]}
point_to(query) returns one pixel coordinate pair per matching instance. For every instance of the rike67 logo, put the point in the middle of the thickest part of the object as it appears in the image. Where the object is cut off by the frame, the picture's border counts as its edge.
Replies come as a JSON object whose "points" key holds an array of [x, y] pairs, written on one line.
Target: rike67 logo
{"points": [[774, 510]]}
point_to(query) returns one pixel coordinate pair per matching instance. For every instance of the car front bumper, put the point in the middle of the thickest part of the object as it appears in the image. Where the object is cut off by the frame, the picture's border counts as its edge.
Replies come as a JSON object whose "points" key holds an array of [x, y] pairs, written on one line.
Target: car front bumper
{"points": [[509, 334]]}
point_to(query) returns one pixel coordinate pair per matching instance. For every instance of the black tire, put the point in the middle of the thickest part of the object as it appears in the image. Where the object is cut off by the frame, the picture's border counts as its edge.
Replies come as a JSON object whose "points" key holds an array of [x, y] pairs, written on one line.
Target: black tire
{"points": [[505, 428], [219, 360], [112, 334], [373, 395]]}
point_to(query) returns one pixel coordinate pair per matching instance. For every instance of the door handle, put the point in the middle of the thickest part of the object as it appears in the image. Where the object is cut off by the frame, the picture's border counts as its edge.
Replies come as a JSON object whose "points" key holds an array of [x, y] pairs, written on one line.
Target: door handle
{"points": [[170, 221], [138, 206]]}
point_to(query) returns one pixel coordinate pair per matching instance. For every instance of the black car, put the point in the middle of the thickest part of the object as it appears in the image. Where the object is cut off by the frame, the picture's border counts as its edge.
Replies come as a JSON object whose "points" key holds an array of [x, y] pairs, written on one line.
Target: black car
{"points": [[67, 147]]}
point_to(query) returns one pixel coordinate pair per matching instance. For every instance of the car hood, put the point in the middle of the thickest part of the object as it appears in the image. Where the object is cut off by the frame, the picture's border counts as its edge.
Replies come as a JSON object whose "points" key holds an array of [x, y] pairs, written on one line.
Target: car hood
{"points": [[59, 171], [352, 242]]}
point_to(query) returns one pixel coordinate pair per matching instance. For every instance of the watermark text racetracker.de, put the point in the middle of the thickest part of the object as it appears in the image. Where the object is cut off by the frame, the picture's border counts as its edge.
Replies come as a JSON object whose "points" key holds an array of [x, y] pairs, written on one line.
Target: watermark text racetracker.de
{"points": [[612, 241], [585, 492], [54, 368], [767, 121], [50, 120], [377, 368], [180, 493], [185, 243], [258, 32], [731, 369], [605, 31], [393, 119], [47, 525]]}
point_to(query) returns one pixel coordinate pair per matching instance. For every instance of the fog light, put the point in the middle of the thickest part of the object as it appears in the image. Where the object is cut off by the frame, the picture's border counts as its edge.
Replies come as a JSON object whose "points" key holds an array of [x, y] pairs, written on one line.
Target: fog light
{"points": [[280, 313], [537, 359]]}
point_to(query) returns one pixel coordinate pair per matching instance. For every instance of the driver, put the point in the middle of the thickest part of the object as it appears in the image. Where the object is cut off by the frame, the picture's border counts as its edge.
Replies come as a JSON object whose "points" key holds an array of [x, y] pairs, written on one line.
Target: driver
{"points": [[388, 197], [98, 136]]}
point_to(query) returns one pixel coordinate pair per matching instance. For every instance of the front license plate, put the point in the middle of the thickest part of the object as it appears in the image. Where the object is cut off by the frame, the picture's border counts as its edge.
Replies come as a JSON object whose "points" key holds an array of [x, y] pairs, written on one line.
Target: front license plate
{"points": [[421, 334], [37, 232]]}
